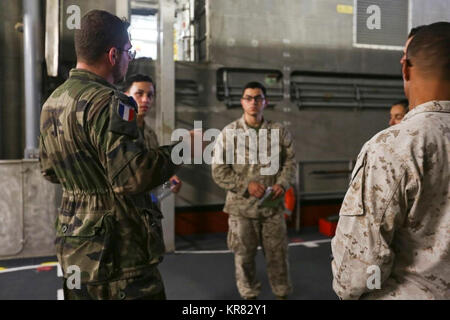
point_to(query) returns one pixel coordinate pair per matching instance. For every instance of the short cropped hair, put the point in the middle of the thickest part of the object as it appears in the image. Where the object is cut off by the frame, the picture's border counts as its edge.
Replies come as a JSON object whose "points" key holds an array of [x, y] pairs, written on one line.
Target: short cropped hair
{"points": [[429, 50], [137, 78], [414, 30], [254, 85], [99, 32], [404, 103]]}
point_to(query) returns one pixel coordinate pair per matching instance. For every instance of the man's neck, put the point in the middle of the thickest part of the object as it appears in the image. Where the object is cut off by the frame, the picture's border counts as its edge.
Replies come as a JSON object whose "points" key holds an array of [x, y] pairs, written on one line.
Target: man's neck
{"points": [[99, 70], [140, 120], [253, 121], [428, 91]]}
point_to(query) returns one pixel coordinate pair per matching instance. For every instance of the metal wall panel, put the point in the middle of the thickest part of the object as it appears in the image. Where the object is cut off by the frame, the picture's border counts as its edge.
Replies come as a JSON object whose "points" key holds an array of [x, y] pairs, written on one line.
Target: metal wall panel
{"points": [[28, 209], [304, 35], [426, 12], [40, 206], [11, 210], [381, 22]]}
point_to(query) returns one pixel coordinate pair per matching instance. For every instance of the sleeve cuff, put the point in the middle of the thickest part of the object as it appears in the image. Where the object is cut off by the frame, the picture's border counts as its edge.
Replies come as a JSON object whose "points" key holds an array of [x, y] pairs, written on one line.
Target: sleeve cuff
{"points": [[285, 185]]}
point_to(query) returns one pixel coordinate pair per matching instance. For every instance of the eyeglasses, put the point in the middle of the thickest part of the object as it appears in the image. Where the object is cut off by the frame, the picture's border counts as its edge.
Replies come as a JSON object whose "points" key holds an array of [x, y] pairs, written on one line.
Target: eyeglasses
{"points": [[258, 99], [131, 53]]}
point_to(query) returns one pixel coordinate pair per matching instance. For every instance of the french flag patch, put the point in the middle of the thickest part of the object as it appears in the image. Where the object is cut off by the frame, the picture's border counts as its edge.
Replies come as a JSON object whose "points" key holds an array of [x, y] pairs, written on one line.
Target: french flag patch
{"points": [[126, 113]]}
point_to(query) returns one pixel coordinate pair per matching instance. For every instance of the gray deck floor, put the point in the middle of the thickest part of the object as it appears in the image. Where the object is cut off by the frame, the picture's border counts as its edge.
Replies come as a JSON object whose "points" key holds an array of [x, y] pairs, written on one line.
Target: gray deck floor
{"points": [[200, 269]]}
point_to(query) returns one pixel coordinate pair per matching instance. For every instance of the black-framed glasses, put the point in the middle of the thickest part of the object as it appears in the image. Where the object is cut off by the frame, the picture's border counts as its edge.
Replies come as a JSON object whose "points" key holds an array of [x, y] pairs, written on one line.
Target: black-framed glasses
{"points": [[258, 99]]}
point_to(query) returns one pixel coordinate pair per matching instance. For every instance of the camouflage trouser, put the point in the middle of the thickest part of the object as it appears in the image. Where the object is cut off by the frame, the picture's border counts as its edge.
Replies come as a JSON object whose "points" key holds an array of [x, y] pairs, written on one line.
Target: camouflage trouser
{"points": [[244, 236], [148, 286]]}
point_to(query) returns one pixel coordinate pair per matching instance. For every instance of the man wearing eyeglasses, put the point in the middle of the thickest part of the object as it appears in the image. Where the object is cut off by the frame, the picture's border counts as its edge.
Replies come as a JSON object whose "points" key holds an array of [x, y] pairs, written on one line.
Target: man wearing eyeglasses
{"points": [[255, 221], [90, 144]]}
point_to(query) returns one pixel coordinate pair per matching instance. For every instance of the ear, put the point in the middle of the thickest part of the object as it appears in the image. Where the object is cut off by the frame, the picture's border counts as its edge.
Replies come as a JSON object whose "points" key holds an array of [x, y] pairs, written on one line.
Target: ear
{"points": [[112, 56], [406, 71]]}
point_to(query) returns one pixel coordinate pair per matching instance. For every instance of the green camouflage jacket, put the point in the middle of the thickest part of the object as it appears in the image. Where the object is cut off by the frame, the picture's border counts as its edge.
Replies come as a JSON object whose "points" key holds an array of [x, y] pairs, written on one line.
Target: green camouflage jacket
{"points": [[150, 137], [91, 145]]}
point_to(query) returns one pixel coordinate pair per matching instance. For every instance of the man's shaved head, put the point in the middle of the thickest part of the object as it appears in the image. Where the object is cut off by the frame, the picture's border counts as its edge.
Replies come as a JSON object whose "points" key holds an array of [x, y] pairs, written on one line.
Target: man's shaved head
{"points": [[429, 51], [414, 30]]}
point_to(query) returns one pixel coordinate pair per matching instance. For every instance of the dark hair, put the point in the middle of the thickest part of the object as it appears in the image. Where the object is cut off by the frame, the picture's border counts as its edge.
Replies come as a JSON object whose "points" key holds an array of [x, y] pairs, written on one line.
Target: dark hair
{"points": [[429, 50], [254, 85], [99, 32], [404, 103], [414, 31], [137, 78]]}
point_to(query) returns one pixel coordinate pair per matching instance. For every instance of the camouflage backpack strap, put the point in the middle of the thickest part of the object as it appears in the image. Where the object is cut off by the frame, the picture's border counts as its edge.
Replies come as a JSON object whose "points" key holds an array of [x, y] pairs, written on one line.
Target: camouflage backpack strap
{"points": [[123, 115]]}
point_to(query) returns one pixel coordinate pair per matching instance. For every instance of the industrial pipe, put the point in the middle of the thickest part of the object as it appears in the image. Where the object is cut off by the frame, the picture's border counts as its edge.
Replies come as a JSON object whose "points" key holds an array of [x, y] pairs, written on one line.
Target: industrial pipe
{"points": [[32, 69]]}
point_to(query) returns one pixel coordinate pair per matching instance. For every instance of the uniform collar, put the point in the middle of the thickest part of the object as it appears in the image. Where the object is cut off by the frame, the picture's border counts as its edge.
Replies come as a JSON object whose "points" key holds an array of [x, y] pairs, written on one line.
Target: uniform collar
{"points": [[246, 126], [430, 106], [86, 75]]}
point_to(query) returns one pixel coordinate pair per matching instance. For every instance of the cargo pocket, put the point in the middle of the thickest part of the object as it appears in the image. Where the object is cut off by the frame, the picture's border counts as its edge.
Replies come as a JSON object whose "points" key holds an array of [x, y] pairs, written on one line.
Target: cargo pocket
{"points": [[155, 240], [87, 241]]}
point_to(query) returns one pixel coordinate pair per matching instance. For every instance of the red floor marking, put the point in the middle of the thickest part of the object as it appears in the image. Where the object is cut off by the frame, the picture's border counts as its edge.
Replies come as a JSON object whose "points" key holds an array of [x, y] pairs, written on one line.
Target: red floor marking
{"points": [[44, 268]]}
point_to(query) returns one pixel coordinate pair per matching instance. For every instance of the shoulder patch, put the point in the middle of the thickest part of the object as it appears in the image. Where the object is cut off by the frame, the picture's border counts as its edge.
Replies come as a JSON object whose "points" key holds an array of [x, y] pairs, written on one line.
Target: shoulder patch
{"points": [[126, 113], [123, 116]]}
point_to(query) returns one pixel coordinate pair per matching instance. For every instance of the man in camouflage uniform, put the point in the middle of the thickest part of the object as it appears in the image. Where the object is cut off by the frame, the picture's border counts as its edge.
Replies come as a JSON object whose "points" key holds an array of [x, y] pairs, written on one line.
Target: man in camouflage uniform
{"points": [[90, 144], [392, 239], [251, 224], [142, 89]]}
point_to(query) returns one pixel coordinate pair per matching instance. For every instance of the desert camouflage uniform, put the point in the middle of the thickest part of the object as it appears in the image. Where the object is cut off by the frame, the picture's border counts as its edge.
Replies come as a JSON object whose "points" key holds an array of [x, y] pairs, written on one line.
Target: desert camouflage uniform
{"points": [[106, 225], [249, 224], [396, 213]]}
